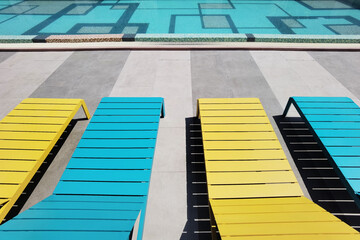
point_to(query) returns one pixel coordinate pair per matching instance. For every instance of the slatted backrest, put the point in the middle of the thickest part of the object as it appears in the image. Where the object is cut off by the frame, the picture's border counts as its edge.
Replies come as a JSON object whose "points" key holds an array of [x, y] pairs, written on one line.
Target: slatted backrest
{"points": [[253, 193], [243, 156], [104, 188], [27, 135], [335, 122]]}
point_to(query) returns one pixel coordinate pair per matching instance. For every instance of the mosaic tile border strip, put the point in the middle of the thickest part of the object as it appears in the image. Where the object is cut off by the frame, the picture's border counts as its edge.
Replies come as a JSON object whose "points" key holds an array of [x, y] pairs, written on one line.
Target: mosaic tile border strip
{"points": [[286, 38]]}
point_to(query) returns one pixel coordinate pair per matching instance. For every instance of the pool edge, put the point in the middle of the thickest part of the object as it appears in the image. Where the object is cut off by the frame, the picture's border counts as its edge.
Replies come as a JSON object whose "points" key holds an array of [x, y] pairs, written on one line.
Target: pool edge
{"points": [[179, 46], [194, 38]]}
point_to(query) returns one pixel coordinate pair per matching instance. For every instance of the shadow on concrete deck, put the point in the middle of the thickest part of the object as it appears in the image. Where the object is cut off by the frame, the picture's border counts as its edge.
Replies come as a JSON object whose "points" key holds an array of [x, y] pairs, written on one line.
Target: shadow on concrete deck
{"points": [[323, 184], [198, 223], [40, 173]]}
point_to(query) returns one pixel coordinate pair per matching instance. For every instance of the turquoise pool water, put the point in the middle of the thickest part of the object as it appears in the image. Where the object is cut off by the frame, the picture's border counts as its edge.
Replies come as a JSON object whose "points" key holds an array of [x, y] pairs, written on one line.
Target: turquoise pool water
{"points": [[309, 17]]}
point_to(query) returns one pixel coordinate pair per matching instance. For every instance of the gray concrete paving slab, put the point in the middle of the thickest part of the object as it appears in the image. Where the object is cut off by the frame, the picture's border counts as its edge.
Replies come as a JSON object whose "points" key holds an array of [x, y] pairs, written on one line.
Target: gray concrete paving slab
{"points": [[302, 76], [163, 74], [22, 73], [166, 207], [344, 66], [209, 79], [5, 55], [87, 75]]}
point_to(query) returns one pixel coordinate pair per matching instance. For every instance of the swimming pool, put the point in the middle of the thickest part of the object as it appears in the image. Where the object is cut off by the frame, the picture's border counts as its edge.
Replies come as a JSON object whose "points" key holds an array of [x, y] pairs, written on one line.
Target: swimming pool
{"points": [[58, 17]]}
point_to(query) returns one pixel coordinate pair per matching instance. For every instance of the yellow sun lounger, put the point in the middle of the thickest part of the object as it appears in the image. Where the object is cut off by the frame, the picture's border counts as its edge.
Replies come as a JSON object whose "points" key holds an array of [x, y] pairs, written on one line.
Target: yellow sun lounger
{"points": [[253, 192], [27, 135]]}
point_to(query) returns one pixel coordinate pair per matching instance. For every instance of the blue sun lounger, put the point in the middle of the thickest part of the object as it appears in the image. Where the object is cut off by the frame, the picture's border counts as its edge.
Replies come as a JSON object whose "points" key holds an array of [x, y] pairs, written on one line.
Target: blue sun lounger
{"points": [[103, 191], [335, 123]]}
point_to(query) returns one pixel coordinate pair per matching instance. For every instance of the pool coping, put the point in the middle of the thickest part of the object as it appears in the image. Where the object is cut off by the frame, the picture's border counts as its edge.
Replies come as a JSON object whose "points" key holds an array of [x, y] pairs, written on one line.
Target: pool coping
{"points": [[179, 42], [198, 38], [179, 46]]}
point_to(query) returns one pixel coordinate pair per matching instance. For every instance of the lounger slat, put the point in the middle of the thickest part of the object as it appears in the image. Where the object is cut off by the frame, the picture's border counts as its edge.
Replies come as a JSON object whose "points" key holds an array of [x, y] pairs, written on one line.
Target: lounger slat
{"points": [[260, 201], [122, 100], [112, 163], [125, 119], [233, 113], [286, 228], [133, 105], [335, 125], [254, 191], [235, 145], [333, 118], [37, 113], [227, 100], [114, 206], [244, 154], [79, 214], [43, 136], [21, 154], [323, 99], [112, 153], [106, 175], [70, 225], [296, 237], [13, 177], [333, 105], [24, 166], [279, 217], [351, 173], [344, 151], [337, 133], [347, 161], [22, 144], [123, 126], [236, 128], [7, 191], [268, 209], [330, 111], [341, 142], [116, 143], [223, 120], [127, 112], [98, 199], [232, 166], [106, 188], [120, 134], [67, 101], [231, 106], [49, 107], [35, 120], [30, 127], [239, 135], [56, 235], [250, 177]]}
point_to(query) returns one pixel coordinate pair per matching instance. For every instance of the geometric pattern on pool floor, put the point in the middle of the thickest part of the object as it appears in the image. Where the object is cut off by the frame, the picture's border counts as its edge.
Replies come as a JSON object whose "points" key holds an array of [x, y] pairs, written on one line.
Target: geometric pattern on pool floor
{"points": [[324, 17]]}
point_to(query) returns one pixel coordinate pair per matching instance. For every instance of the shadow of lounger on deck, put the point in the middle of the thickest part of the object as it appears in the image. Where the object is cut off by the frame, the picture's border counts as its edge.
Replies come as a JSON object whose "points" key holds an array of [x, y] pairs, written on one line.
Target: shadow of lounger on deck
{"points": [[335, 124]]}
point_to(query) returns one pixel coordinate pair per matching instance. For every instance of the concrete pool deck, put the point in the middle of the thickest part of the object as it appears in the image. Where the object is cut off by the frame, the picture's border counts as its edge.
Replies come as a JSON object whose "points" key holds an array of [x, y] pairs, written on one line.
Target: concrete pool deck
{"points": [[180, 77]]}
